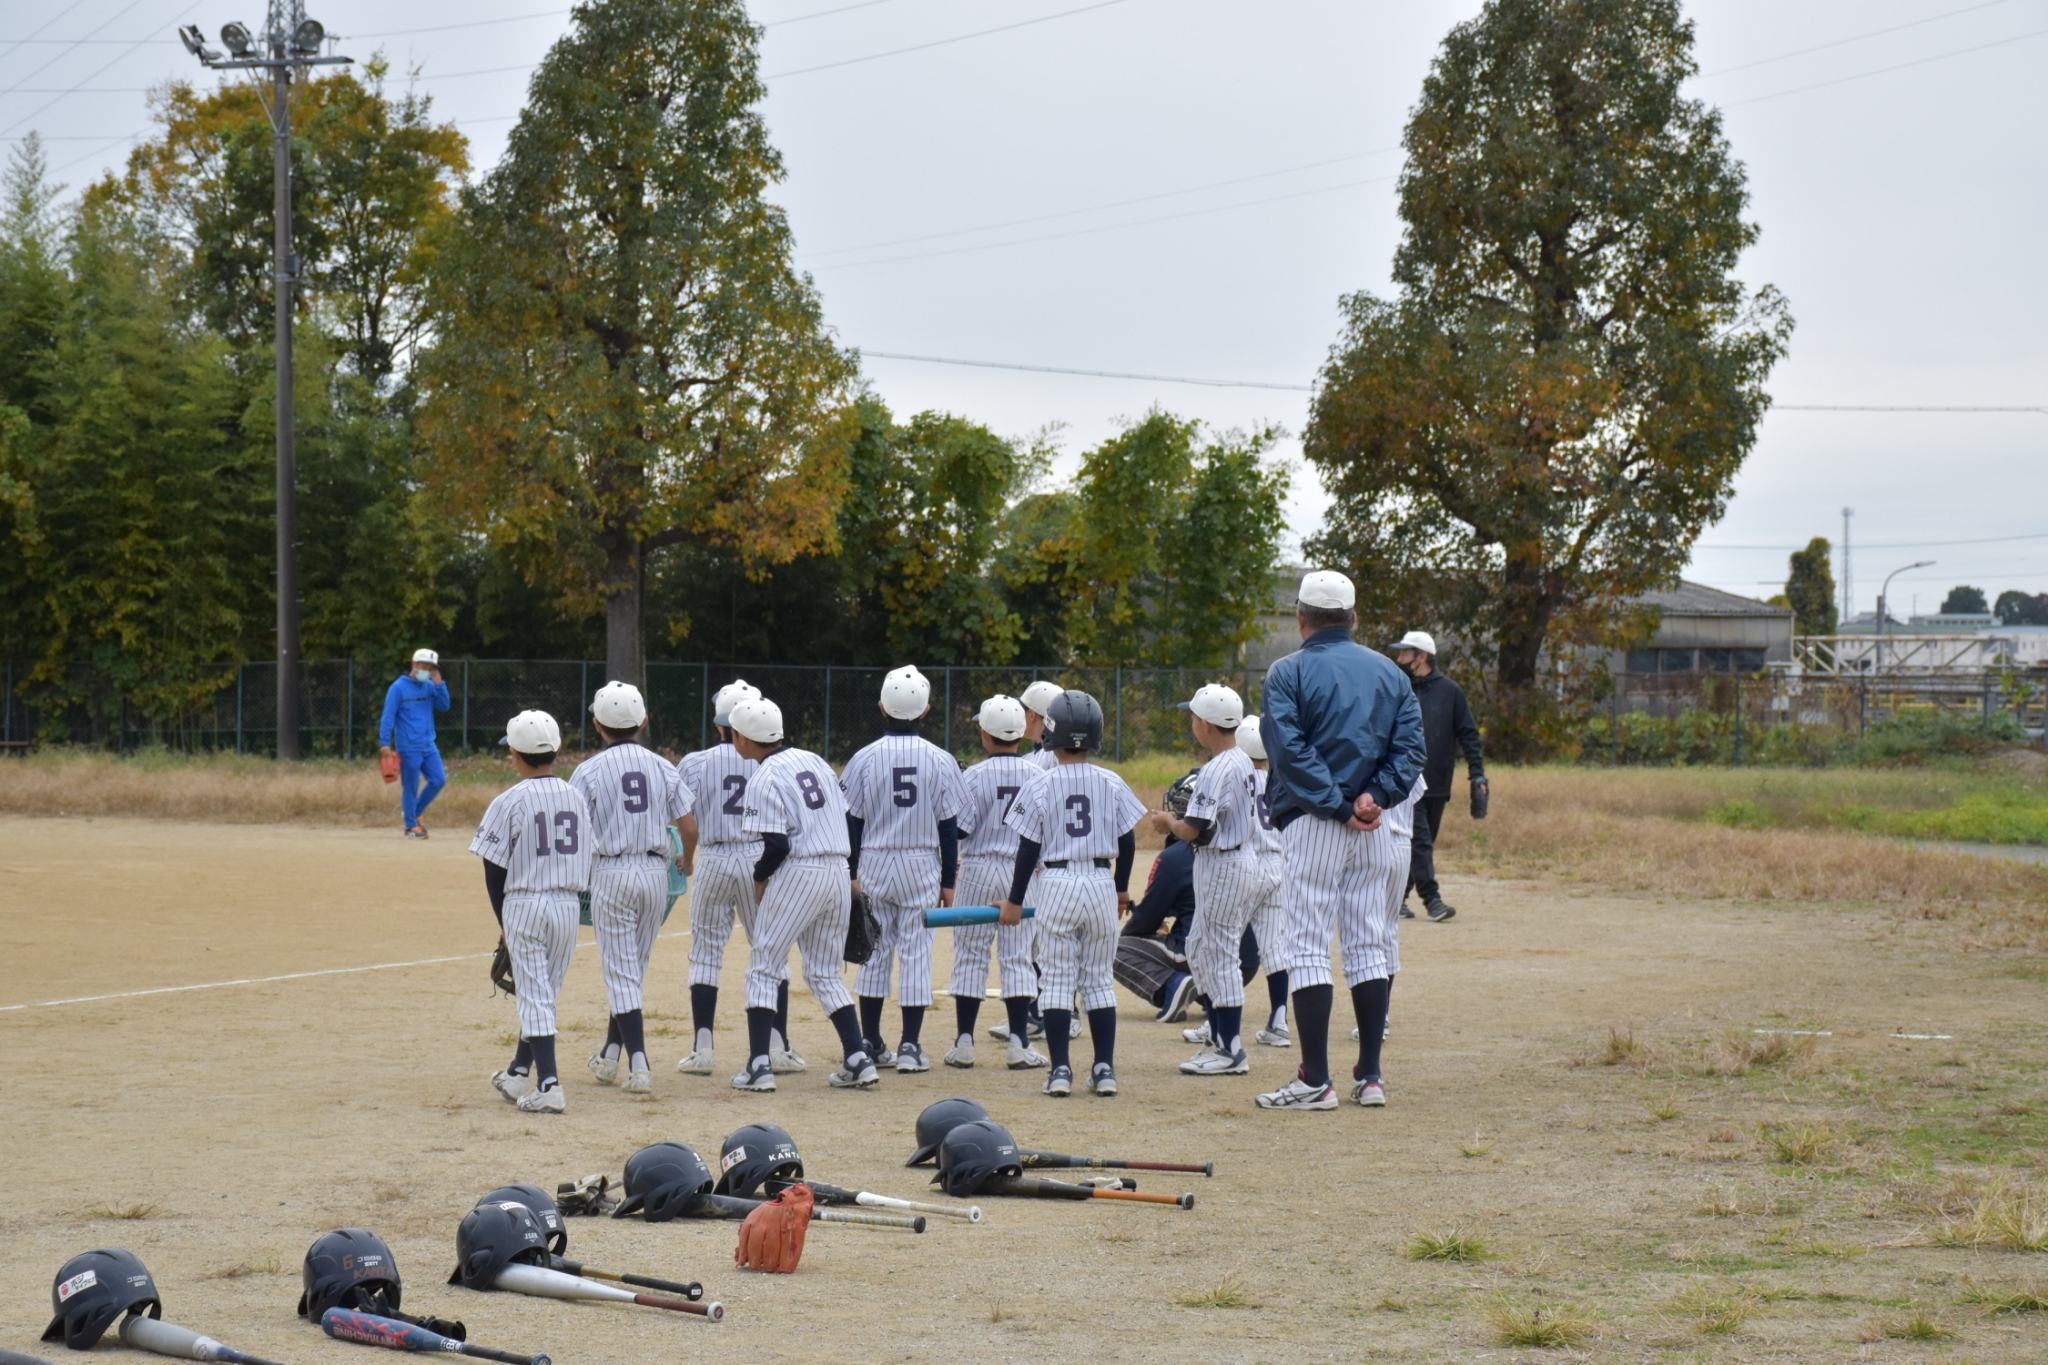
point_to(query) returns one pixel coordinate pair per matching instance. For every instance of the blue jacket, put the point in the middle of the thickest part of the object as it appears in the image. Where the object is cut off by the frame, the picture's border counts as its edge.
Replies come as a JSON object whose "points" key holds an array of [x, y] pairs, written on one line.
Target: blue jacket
{"points": [[1339, 719], [409, 709]]}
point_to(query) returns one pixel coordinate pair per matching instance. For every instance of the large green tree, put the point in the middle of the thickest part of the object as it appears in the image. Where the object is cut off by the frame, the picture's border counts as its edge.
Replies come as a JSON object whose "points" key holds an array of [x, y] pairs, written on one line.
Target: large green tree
{"points": [[1810, 589], [2015, 608], [1963, 599], [629, 361], [1557, 397]]}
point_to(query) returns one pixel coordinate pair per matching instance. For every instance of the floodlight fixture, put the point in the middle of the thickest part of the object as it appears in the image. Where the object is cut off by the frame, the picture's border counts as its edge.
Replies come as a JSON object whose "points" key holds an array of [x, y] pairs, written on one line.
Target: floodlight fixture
{"points": [[239, 40], [308, 36]]}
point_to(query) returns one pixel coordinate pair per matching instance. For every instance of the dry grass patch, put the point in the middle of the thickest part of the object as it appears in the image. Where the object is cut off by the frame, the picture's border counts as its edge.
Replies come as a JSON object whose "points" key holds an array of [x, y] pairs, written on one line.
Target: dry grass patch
{"points": [[1801, 1144], [238, 1270], [1721, 1203], [125, 1213], [1558, 1326], [2008, 1302], [1228, 1292], [1906, 1327], [1716, 1309], [1738, 1054], [1477, 1147], [1452, 1244], [2003, 1215]]}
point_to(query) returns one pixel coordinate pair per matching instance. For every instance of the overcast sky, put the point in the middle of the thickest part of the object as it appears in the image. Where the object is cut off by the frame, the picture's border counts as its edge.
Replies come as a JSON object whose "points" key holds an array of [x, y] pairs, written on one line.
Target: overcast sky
{"points": [[1904, 213]]}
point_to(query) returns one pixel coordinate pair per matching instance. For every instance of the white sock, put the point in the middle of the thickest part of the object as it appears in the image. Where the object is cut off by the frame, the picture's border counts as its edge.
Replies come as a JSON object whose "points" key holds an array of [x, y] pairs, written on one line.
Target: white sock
{"points": [[703, 1040], [639, 1062]]}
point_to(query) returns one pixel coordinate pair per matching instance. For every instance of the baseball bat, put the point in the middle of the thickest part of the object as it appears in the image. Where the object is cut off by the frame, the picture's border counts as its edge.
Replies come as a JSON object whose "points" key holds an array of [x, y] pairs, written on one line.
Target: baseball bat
{"points": [[17, 1358], [692, 1290], [371, 1329], [1038, 1187], [553, 1284], [959, 916], [733, 1206], [836, 1194], [148, 1334], [1032, 1157]]}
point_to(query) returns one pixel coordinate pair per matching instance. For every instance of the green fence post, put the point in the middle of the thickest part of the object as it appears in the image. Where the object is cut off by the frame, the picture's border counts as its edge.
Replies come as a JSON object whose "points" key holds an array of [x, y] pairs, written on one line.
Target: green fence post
{"points": [[348, 710], [582, 708], [1119, 713], [828, 714], [1614, 723], [949, 709], [241, 674], [465, 706], [704, 705]]}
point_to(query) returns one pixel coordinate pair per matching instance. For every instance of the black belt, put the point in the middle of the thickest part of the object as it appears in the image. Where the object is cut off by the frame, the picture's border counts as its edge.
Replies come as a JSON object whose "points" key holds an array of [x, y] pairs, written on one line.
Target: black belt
{"points": [[1102, 863]]}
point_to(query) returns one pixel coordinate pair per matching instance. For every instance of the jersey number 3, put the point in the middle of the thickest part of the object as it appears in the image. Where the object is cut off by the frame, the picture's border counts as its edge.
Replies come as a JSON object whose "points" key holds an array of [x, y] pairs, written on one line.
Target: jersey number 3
{"points": [[1080, 816], [565, 834]]}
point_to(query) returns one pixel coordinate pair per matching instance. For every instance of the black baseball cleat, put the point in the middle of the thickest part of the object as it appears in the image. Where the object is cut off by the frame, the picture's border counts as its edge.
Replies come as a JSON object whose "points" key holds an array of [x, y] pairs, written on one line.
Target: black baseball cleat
{"points": [[1406, 912], [1438, 911]]}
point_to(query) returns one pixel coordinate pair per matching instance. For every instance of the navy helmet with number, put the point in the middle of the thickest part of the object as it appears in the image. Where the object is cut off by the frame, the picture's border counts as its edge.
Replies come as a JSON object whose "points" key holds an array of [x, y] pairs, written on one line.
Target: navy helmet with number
{"points": [[543, 1207], [755, 1154], [93, 1289], [1074, 721], [349, 1268], [938, 1119]]}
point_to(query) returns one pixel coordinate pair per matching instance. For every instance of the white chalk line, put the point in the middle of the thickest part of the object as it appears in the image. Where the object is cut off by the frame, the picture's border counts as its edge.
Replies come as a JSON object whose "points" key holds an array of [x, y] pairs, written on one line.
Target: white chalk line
{"points": [[1829, 1033], [581, 942]]}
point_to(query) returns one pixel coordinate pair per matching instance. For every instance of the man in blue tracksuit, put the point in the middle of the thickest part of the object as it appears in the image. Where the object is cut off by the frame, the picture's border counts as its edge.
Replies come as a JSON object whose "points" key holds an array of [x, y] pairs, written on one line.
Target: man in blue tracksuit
{"points": [[408, 729]]}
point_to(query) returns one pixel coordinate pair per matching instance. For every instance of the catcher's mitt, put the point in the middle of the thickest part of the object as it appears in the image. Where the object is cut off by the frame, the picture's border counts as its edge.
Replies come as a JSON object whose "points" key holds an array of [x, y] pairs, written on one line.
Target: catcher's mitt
{"points": [[772, 1238], [1482, 792], [863, 930], [501, 968]]}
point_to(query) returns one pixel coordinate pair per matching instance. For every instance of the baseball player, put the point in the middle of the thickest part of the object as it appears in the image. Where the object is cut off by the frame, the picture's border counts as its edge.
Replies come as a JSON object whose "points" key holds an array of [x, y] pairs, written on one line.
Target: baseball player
{"points": [[535, 843], [1082, 821], [1220, 822], [1038, 697], [1269, 921], [634, 795], [903, 796], [988, 852], [1344, 735], [721, 857], [802, 888]]}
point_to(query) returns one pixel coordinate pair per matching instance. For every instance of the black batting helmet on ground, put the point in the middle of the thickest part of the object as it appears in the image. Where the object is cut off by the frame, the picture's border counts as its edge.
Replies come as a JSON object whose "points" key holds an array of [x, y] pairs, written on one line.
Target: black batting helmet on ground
{"points": [[938, 1119], [755, 1154], [1073, 721], [975, 1153], [542, 1205], [493, 1236], [663, 1180], [94, 1288], [347, 1268], [1182, 792]]}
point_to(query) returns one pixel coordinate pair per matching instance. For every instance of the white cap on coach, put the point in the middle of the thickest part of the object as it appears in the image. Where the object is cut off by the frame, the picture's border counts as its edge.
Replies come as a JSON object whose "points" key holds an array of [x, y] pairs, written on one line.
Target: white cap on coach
{"points": [[1217, 704], [906, 693], [426, 656], [729, 696], [1327, 589], [533, 732], [1041, 695], [618, 706], [1250, 740], [1002, 717], [759, 720], [1418, 639]]}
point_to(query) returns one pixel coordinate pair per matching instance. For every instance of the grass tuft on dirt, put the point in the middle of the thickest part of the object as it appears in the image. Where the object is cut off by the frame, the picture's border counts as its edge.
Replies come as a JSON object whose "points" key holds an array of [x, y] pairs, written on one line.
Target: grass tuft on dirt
{"points": [[1228, 1292], [2009, 1302], [2003, 1215], [1801, 1144], [1451, 1244], [238, 1270], [1716, 1309], [1561, 1326], [1917, 1326], [125, 1213]]}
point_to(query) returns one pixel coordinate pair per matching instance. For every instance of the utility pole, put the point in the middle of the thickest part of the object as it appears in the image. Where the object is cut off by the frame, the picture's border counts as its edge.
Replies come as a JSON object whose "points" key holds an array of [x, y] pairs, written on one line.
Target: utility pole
{"points": [[1848, 588], [289, 43]]}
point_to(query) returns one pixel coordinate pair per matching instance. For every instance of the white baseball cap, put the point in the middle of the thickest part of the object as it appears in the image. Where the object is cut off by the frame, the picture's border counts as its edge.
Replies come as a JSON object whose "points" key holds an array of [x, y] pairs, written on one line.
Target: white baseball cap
{"points": [[533, 732], [758, 719], [1250, 740], [619, 706], [906, 693], [1002, 717], [729, 696], [1418, 639], [1217, 704], [1327, 589], [426, 656], [1041, 695]]}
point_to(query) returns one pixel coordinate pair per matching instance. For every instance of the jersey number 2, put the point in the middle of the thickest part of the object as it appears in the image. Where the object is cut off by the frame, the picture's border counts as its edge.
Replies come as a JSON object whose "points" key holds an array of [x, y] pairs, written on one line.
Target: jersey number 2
{"points": [[565, 834], [735, 794]]}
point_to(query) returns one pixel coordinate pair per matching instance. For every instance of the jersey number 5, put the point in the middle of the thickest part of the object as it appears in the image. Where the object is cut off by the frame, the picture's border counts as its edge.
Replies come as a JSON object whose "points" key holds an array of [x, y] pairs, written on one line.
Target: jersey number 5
{"points": [[901, 782], [565, 834], [1080, 816], [813, 792]]}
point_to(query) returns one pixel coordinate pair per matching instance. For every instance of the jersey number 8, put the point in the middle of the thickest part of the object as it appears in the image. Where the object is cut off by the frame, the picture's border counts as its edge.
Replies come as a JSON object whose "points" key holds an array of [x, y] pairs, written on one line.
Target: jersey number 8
{"points": [[813, 792]]}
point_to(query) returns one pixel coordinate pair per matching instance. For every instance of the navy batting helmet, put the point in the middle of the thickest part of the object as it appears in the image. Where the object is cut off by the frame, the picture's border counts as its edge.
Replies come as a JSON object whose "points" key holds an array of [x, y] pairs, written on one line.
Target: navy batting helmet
{"points": [[349, 1268], [663, 1181], [938, 1119], [94, 1288], [755, 1154], [1182, 792], [1074, 721], [493, 1236], [542, 1205], [975, 1153]]}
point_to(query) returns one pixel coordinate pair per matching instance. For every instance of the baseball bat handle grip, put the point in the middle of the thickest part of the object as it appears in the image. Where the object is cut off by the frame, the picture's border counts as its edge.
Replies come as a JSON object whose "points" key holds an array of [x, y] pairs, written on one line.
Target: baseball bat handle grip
{"points": [[712, 1312], [1185, 1201], [508, 1357], [689, 1290]]}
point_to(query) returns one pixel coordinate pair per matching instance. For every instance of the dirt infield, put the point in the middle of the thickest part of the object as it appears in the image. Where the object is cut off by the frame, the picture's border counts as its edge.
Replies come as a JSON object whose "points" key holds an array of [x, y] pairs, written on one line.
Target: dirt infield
{"points": [[1578, 1086]]}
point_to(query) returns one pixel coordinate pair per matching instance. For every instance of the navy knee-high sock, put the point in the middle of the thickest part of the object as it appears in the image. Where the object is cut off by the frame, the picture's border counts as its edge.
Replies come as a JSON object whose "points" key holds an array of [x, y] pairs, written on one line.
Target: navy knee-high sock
{"points": [[1057, 1023], [848, 1028], [1018, 1007], [913, 1023], [871, 1018], [1276, 992], [782, 1013], [522, 1058], [1226, 1027], [1102, 1033], [760, 1021], [703, 1008], [1369, 1001], [633, 1037], [614, 1038], [544, 1062], [1312, 1032], [966, 1009]]}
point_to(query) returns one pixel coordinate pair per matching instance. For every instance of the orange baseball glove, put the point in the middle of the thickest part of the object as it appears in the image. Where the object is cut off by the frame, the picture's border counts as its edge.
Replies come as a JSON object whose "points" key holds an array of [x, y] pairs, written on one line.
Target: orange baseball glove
{"points": [[772, 1238]]}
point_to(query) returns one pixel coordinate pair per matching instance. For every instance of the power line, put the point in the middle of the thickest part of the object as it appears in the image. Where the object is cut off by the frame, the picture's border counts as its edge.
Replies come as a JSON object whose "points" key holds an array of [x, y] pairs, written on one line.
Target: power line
{"points": [[78, 42], [1852, 38], [117, 58], [943, 42], [107, 147], [38, 30], [1892, 544], [558, 13], [1885, 70]]}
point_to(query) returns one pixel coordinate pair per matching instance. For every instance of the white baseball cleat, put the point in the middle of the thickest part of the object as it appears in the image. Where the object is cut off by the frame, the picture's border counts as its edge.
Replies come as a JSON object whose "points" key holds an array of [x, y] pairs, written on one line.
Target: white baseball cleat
{"points": [[1074, 1025], [550, 1101], [606, 1069], [880, 1053], [910, 1057], [855, 1073], [1210, 1062], [1060, 1083], [755, 1077], [699, 1063], [785, 1061], [1023, 1057], [1102, 1080], [1299, 1094], [1275, 1035], [1371, 1094], [512, 1087], [961, 1054], [1198, 1035], [1354, 1035], [639, 1083]]}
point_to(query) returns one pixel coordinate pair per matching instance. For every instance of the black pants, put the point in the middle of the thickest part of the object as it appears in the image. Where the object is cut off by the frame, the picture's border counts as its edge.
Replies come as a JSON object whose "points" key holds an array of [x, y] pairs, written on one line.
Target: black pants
{"points": [[1429, 818]]}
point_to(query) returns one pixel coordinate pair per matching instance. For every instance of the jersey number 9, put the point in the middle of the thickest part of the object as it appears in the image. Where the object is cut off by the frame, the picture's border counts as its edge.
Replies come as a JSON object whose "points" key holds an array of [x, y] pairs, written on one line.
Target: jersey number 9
{"points": [[634, 786]]}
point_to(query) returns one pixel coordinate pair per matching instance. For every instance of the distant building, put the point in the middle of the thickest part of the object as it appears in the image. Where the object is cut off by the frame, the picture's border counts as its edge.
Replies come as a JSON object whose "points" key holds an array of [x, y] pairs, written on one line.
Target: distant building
{"points": [[1705, 630]]}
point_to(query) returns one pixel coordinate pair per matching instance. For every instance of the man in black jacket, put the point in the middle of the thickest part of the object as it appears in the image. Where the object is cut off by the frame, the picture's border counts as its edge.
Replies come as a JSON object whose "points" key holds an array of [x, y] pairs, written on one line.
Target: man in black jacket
{"points": [[1446, 721]]}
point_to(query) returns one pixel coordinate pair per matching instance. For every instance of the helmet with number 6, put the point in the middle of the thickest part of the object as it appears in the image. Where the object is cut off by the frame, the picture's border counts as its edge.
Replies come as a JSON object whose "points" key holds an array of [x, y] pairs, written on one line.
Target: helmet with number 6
{"points": [[349, 1268], [1074, 721]]}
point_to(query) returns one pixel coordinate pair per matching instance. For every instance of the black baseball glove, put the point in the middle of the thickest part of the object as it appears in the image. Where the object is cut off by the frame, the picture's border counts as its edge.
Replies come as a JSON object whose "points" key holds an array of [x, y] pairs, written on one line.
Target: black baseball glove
{"points": [[501, 968], [1481, 794], [863, 930]]}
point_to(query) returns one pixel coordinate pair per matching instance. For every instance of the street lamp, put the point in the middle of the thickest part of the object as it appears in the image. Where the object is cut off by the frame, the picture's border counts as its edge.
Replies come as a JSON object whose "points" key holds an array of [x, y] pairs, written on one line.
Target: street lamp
{"points": [[1883, 611], [289, 43]]}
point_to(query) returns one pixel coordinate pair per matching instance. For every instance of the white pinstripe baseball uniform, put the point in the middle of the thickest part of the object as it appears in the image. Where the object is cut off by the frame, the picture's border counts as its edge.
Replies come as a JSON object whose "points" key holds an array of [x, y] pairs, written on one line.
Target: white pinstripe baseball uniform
{"points": [[900, 787], [988, 857], [1269, 916], [1228, 882], [795, 793], [722, 887], [1354, 877], [633, 794], [1076, 812], [538, 830]]}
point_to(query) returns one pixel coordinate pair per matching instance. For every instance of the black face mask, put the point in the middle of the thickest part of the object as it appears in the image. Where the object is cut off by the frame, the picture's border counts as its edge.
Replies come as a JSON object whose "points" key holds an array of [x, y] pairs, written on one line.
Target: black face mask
{"points": [[1410, 666]]}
